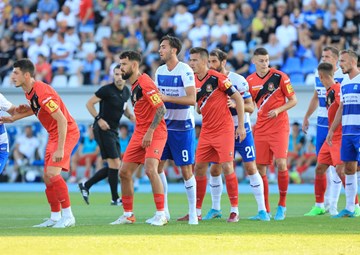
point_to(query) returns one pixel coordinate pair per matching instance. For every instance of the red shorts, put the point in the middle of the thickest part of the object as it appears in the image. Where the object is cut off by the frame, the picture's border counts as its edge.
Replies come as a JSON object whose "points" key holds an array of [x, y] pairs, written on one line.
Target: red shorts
{"points": [[330, 155], [136, 154], [216, 148], [82, 160], [271, 146], [70, 143]]}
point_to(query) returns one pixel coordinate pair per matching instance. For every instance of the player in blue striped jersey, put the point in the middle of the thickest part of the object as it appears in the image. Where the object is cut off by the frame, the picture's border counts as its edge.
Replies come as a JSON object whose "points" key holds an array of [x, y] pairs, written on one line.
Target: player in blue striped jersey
{"points": [[348, 115], [176, 83], [329, 55]]}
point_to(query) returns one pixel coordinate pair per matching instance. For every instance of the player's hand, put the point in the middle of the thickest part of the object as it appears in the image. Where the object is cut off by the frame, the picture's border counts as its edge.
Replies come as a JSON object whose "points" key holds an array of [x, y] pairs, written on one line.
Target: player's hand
{"points": [[58, 155], [273, 114], [103, 124], [329, 137], [147, 139], [305, 125], [231, 103], [6, 119], [240, 133], [22, 108]]}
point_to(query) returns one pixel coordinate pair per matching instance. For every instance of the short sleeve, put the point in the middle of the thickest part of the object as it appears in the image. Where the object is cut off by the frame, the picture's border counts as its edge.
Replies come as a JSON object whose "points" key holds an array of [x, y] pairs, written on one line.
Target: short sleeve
{"points": [[286, 86], [48, 100], [187, 76], [5, 105], [151, 92], [101, 92]]}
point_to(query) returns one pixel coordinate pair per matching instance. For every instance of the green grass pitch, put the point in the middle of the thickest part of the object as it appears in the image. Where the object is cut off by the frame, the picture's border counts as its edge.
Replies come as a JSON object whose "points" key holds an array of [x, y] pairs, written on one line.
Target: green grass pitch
{"points": [[94, 235]]}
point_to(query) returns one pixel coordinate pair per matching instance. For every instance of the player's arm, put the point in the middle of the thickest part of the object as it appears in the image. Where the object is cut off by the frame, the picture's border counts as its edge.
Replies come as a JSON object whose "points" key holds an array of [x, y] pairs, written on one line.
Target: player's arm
{"points": [[291, 102], [15, 115], [189, 99], [159, 115], [61, 121], [311, 109], [239, 101], [335, 124], [249, 106], [90, 105]]}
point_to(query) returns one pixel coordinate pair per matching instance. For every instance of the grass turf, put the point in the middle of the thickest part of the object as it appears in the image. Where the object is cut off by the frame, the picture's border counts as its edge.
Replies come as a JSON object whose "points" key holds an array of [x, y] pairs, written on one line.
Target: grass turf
{"points": [[94, 235]]}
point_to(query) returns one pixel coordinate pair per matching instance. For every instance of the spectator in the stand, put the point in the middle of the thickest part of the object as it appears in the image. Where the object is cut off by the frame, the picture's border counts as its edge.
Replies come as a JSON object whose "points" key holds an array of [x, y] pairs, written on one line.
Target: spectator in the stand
{"points": [[74, 6], [72, 37], [183, 20], [225, 45], [47, 22], [124, 138], [66, 17], [220, 28], [164, 28], [297, 18], [296, 145], [312, 12], [240, 64], [62, 54], [225, 8], [25, 151], [199, 32], [335, 36], [341, 5], [351, 24], [43, 69], [245, 18], [39, 47], [280, 11], [86, 155], [31, 32], [276, 52], [6, 58], [18, 16], [50, 37], [151, 53], [305, 48], [286, 34], [89, 71], [333, 13], [17, 35], [50, 7], [318, 35], [86, 17]]}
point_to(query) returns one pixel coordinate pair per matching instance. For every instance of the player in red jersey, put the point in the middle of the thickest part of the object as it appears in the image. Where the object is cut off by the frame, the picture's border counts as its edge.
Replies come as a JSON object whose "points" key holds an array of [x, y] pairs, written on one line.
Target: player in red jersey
{"points": [[64, 134], [269, 89], [217, 138], [147, 143]]}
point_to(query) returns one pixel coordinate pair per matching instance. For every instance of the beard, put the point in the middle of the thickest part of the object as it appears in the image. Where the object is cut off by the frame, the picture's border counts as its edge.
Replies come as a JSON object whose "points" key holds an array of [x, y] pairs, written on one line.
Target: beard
{"points": [[126, 76]]}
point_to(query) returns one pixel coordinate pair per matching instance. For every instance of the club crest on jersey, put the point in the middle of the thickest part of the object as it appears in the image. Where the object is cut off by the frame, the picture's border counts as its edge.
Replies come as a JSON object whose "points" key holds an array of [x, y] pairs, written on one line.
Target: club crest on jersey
{"points": [[209, 88], [51, 105], [289, 88], [271, 87], [156, 151]]}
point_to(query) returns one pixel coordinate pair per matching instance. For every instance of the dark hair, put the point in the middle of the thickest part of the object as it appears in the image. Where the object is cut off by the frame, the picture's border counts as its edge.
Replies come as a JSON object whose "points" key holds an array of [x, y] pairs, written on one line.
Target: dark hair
{"points": [[202, 51], [219, 54], [124, 126], [25, 65], [333, 50], [174, 42], [326, 68], [260, 52], [117, 66], [131, 55]]}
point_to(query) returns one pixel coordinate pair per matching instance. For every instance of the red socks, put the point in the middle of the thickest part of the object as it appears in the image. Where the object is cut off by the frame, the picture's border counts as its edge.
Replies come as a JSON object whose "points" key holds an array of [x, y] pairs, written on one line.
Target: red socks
{"points": [[60, 190], [52, 198], [128, 203], [232, 189], [320, 187], [266, 192], [283, 184], [201, 183], [159, 202]]}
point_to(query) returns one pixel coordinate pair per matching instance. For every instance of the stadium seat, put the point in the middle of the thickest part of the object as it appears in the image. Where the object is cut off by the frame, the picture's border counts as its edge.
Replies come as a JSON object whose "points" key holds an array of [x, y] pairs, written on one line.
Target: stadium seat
{"points": [[102, 32], [310, 80], [292, 65], [252, 68], [297, 79], [36, 127], [309, 65], [59, 81], [73, 81], [239, 46]]}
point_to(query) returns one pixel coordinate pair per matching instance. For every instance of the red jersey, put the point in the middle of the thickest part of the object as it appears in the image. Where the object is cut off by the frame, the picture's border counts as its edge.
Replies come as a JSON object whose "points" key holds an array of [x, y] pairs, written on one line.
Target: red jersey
{"points": [[212, 95], [270, 92], [84, 6], [145, 98], [44, 101], [332, 105]]}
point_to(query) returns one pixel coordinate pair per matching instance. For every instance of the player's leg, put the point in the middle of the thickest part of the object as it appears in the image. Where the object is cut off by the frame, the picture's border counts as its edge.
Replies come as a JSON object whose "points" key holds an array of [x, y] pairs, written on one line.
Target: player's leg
{"points": [[113, 177], [216, 188], [164, 180], [232, 188]]}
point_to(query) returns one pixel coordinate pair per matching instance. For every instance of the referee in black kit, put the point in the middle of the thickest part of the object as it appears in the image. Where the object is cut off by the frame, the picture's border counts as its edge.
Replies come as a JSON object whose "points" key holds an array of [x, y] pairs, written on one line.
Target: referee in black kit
{"points": [[113, 104]]}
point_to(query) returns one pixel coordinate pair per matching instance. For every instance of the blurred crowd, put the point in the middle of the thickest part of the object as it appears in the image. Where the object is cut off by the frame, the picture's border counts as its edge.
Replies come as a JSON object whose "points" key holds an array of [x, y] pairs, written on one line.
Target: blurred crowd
{"points": [[76, 42]]}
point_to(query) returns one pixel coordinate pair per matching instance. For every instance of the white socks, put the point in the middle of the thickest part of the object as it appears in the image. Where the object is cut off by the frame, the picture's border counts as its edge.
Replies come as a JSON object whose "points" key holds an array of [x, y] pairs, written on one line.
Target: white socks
{"points": [[66, 212], [55, 216], [165, 185], [350, 191], [335, 187], [327, 196], [190, 187], [216, 188], [257, 186]]}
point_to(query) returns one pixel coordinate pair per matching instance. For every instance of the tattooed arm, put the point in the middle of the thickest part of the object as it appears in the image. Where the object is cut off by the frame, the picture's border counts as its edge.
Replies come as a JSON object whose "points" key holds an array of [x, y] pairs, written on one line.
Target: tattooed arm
{"points": [[160, 112]]}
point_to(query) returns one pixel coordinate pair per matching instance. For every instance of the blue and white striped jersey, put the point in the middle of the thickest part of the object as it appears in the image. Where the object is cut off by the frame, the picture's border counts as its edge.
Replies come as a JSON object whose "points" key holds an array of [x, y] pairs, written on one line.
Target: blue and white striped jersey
{"points": [[173, 83], [350, 97], [322, 119], [241, 84], [5, 105]]}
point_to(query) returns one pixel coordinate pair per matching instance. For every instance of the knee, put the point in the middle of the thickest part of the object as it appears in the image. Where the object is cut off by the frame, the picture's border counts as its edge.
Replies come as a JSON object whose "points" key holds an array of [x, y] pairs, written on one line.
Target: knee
{"points": [[281, 164], [151, 172], [227, 168], [125, 175]]}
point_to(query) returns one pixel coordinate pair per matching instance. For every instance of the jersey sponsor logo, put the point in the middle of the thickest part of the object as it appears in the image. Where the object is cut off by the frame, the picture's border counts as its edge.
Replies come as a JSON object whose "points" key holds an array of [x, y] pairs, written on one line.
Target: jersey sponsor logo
{"points": [[155, 99], [257, 87], [355, 87], [51, 105], [175, 80], [151, 92], [289, 88], [271, 86], [46, 99]]}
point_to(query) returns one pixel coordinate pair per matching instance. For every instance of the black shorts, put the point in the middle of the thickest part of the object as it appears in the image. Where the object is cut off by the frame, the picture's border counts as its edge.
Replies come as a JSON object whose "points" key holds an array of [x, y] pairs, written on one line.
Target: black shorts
{"points": [[108, 142]]}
